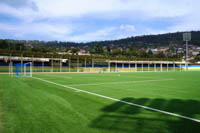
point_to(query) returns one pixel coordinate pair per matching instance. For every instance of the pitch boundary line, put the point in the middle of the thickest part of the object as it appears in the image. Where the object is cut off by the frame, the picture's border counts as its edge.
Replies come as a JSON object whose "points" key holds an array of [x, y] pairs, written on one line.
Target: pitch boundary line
{"points": [[117, 100], [126, 82]]}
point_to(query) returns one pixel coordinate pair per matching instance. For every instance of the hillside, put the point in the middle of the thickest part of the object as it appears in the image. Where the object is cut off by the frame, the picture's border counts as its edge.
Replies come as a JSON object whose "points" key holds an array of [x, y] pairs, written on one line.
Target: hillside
{"points": [[153, 40], [137, 42]]}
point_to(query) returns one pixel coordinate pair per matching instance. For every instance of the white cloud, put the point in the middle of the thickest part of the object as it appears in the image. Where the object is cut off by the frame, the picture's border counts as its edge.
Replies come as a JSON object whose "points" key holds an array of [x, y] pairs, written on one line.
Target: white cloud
{"points": [[53, 31], [23, 13], [39, 17], [190, 22], [20, 3], [77, 8], [127, 27], [102, 34], [151, 8]]}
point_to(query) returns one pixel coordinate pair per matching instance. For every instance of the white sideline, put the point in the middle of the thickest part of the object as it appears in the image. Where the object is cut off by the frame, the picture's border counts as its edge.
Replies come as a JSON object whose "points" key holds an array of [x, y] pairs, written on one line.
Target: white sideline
{"points": [[109, 83], [114, 99]]}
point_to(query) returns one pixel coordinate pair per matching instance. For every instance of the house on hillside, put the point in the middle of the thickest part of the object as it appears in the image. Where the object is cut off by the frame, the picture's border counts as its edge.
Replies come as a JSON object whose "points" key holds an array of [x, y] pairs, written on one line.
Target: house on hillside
{"points": [[154, 51], [195, 52], [83, 52], [180, 51], [163, 50]]}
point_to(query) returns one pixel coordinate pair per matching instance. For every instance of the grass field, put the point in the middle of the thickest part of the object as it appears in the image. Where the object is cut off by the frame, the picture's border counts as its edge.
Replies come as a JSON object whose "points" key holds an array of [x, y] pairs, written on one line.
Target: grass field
{"points": [[100, 103]]}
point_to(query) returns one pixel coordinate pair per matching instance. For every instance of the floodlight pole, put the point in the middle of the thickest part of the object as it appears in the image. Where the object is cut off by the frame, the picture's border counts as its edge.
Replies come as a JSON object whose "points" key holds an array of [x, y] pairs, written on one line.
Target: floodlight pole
{"points": [[186, 60], [186, 38]]}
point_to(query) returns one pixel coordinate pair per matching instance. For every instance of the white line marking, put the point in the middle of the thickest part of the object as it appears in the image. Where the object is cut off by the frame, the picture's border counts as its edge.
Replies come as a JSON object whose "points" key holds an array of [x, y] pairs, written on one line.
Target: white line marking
{"points": [[130, 76], [59, 76], [137, 77], [126, 82], [116, 75], [117, 100], [64, 77]]}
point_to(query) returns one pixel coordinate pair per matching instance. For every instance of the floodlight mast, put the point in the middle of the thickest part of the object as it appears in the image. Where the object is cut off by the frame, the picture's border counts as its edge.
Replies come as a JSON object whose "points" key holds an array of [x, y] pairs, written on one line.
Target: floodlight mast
{"points": [[186, 60], [186, 38]]}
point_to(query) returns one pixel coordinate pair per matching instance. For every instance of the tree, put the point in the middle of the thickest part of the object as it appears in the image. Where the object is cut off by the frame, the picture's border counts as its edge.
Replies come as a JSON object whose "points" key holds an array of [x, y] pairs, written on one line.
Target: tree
{"points": [[20, 46], [196, 59], [150, 53], [3, 44], [143, 54], [160, 55], [127, 53], [134, 52], [75, 50], [98, 49], [108, 50], [116, 52]]}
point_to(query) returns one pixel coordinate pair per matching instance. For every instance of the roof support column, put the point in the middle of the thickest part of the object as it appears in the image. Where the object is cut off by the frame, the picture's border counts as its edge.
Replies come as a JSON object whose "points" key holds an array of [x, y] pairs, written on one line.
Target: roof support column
{"points": [[180, 67], [21, 59], [52, 64], [69, 65], [61, 64], [77, 66], [136, 66], [32, 63], [115, 66], [167, 66], [142, 66], [108, 66], [43, 65], [85, 62], [92, 63], [174, 67]]}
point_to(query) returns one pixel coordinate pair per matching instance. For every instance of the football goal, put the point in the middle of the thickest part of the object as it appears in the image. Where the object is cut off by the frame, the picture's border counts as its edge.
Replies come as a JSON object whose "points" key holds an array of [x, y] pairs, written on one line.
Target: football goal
{"points": [[23, 70]]}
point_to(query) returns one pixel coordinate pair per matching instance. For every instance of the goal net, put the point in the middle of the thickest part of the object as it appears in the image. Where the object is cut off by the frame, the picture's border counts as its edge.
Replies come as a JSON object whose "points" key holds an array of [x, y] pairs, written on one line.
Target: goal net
{"points": [[23, 70]]}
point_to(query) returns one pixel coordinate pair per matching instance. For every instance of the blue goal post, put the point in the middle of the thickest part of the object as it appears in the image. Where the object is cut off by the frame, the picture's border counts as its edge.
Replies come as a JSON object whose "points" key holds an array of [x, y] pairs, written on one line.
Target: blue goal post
{"points": [[23, 70]]}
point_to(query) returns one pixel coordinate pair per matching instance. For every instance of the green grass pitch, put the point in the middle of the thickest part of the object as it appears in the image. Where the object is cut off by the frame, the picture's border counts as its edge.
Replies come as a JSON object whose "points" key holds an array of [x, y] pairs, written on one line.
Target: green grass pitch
{"points": [[32, 105]]}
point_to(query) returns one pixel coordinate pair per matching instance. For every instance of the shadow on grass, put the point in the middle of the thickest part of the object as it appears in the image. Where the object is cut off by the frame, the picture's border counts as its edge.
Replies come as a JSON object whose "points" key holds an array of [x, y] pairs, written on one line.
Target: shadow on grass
{"points": [[124, 118]]}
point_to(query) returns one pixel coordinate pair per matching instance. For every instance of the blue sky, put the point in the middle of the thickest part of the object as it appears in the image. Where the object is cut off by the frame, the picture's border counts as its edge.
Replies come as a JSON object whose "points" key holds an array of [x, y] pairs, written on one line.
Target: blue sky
{"points": [[94, 20]]}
